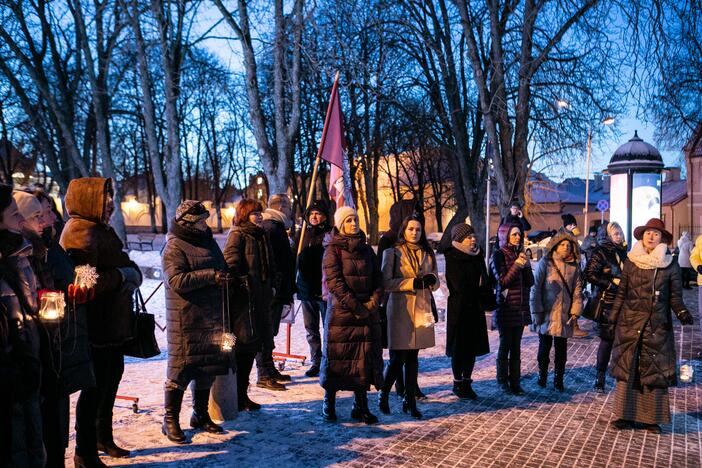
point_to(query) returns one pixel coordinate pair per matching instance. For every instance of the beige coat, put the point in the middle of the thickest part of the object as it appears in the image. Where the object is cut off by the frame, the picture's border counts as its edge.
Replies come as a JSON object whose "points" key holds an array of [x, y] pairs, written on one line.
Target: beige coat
{"points": [[405, 305]]}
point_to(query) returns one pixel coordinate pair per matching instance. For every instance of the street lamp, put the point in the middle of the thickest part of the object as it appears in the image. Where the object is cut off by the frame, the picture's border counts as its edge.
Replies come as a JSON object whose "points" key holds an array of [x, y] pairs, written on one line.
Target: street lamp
{"points": [[607, 121]]}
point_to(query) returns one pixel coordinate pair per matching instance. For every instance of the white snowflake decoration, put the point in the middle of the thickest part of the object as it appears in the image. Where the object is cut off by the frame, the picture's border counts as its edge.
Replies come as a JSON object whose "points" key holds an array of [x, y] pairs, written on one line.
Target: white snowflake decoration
{"points": [[87, 276]]}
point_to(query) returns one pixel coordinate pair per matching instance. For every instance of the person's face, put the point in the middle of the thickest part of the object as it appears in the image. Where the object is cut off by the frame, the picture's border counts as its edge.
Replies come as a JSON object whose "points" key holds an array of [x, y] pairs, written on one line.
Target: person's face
{"points": [[12, 220], [286, 206], [563, 248], [351, 225], [413, 232], [316, 217], [256, 218], [109, 208], [514, 210], [593, 234], [515, 237], [651, 238], [471, 242], [35, 223], [48, 212], [617, 236]]}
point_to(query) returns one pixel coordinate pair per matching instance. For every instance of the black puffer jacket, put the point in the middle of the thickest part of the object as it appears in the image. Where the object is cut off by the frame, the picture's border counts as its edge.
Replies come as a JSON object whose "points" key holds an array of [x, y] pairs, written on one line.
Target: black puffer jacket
{"points": [[282, 254], [642, 313], [309, 262], [194, 304], [603, 267], [352, 357], [511, 283]]}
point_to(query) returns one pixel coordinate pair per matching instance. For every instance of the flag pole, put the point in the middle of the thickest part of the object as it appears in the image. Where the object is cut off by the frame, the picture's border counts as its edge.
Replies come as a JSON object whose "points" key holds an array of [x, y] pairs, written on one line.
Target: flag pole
{"points": [[315, 169]]}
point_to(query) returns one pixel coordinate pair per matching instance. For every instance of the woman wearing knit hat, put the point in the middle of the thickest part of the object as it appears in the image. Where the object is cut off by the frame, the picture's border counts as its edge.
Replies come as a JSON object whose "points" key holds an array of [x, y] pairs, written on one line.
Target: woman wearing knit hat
{"points": [[352, 356], [409, 276], [470, 294]]}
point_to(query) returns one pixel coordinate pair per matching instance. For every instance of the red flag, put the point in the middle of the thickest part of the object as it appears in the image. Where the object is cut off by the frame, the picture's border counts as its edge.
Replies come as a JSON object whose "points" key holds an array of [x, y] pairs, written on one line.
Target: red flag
{"points": [[333, 150]]}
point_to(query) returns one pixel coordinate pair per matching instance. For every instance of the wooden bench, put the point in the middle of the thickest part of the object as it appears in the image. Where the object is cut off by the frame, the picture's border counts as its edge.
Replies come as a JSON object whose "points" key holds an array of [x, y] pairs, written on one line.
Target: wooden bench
{"points": [[143, 241]]}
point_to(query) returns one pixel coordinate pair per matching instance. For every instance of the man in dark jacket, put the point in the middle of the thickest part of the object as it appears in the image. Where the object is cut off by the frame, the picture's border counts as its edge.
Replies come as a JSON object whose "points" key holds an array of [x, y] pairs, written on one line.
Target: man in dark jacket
{"points": [[277, 219], [89, 240], [515, 216], [309, 278]]}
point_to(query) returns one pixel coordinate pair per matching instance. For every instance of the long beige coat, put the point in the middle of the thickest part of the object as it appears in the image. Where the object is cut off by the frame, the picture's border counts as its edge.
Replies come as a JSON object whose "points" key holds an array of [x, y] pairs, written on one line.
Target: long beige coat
{"points": [[405, 305]]}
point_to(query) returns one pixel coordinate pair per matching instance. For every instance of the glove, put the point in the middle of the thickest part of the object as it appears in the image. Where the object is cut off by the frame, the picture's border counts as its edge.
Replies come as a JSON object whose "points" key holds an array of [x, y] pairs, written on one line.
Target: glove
{"points": [[429, 280], [223, 277], [131, 278], [685, 318], [418, 283], [80, 294]]}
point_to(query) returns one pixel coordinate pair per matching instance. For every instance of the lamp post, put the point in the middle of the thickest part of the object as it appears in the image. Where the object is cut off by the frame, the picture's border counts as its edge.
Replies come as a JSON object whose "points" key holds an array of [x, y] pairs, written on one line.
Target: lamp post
{"points": [[606, 121]]}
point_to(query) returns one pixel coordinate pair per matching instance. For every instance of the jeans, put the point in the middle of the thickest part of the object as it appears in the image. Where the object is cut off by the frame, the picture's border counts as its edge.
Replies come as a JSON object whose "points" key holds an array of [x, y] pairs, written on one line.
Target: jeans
{"points": [[94, 408], [604, 351], [399, 358], [510, 343], [546, 342], [313, 313], [462, 367]]}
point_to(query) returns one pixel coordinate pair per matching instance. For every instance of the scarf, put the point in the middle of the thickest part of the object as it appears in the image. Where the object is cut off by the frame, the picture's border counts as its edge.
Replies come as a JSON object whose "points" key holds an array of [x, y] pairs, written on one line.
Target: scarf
{"points": [[459, 246], [414, 254], [657, 258], [259, 236]]}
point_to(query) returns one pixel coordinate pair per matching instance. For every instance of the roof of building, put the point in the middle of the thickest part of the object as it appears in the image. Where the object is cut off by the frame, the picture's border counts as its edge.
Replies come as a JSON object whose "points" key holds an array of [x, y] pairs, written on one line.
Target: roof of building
{"points": [[674, 191], [571, 190]]}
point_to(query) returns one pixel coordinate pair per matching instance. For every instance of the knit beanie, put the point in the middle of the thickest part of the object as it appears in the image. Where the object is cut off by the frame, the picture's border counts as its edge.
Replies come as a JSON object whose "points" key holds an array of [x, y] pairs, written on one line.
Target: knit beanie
{"points": [[341, 214], [27, 204], [5, 196], [568, 219], [190, 212], [461, 231]]}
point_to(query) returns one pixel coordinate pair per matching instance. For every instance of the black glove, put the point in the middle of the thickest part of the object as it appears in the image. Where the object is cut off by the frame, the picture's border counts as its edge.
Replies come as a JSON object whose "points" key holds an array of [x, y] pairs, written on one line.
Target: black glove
{"points": [[685, 318], [223, 277], [429, 280], [699, 269], [418, 283]]}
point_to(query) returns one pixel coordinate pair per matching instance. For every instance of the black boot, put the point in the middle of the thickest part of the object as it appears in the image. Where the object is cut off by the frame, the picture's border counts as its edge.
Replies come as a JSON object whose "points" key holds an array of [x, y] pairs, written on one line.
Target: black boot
{"points": [[600, 382], [502, 379], [400, 385], [419, 394], [92, 461], [515, 375], [360, 410], [329, 406], [409, 404], [171, 424], [106, 444], [201, 417], [468, 389], [458, 389], [558, 376], [543, 374], [383, 403]]}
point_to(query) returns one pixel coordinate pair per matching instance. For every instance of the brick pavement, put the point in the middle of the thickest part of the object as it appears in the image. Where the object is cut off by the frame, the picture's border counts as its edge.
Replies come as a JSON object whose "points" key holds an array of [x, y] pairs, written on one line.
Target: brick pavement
{"points": [[543, 428]]}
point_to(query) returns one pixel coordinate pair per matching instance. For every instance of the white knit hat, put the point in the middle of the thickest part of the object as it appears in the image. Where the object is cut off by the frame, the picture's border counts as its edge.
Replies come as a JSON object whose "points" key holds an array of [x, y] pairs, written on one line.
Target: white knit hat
{"points": [[341, 214], [27, 204]]}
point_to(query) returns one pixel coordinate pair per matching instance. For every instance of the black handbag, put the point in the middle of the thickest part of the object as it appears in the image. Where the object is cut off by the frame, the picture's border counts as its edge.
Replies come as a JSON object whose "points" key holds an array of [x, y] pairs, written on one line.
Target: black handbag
{"points": [[143, 343]]}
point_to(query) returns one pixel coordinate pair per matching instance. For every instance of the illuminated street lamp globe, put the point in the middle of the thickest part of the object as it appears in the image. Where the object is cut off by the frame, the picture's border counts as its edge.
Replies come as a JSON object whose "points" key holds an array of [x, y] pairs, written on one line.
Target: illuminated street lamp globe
{"points": [[635, 185]]}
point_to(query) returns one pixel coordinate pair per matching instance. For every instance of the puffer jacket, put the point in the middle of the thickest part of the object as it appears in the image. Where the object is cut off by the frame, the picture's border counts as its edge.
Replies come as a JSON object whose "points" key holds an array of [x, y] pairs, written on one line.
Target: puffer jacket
{"points": [[274, 226], [352, 356], [553, 300], [309, 262], [696, 258], [512, 283], [194, 307], [604, 266], [89, 240], [642, 313]]}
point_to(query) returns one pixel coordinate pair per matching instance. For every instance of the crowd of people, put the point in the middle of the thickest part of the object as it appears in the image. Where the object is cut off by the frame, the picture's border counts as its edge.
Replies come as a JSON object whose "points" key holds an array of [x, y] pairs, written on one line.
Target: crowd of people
{"points": [[224, 309]]}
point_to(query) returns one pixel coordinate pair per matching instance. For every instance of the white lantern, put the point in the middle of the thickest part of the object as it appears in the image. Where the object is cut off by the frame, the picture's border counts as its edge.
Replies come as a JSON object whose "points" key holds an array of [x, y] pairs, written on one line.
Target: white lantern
{"points": [[228, 341], [52, 307]]}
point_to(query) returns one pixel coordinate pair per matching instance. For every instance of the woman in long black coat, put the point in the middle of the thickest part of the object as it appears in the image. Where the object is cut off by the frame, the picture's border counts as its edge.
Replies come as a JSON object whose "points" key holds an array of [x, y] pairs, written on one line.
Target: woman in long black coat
{"points": [[643, 357], [470, 295], [603, 271], [196, 280], [352, 356]]}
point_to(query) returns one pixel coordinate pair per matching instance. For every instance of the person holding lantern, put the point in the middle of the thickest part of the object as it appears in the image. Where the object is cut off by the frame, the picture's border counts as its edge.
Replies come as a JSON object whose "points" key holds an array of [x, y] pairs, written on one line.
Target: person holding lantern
{"points": [[19, 306], [89, 240], [66, 367], [196, 280]]}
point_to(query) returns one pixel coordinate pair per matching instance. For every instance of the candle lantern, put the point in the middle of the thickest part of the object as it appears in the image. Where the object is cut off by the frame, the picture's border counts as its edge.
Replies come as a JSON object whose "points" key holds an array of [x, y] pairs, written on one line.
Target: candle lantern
{"points": [[52, 307], [228, 341]]}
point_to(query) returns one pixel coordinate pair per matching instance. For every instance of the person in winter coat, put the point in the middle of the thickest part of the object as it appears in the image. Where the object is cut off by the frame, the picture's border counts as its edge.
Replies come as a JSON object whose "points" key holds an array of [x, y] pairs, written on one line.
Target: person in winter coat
{"points": [[570, 224], [277, 220], [89, 240], [514, 277], [409, 276], [248, 256], [684, 250], [18, 304], [589, 243], [309, 279], [470, 294], [66, 365], [696, 263], [196, 279], [604, 271], [643, 356], [352, 357], [399, 211], [556, 300], [515, 216]]}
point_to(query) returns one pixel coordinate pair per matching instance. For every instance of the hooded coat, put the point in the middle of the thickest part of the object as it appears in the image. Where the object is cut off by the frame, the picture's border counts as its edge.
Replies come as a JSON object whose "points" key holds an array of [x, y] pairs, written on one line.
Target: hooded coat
{"points": [[89, 240], [684, 249], [274, 224], [604, 266], [556, 297], [309, 262], [642, 313], [696, 258], [352, 357], [511, 282], [405, 305], [194, 307]]}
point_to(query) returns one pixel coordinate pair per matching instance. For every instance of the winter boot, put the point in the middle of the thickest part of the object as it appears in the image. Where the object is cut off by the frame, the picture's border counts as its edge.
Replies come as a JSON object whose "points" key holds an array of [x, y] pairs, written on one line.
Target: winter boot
{"points": [[558, 375], [515, 375], [419, 394], [458, 389], [360, 411], [171, 425], [468, 389], [201, 417], [543, 374], [409, 404], [105, 442], [502, 380], [383, 403], [600, 382], [92, 461], [329, 406], [400, 385]]}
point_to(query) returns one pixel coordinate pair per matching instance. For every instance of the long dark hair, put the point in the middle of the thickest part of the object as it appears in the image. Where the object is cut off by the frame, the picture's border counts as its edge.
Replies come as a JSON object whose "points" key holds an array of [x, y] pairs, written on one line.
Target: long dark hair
{"points": [[423, 242]]}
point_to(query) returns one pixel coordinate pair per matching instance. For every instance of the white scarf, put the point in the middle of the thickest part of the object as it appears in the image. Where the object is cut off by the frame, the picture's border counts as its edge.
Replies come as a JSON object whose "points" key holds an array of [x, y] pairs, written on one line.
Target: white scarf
{"points": [[657, 258]]}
